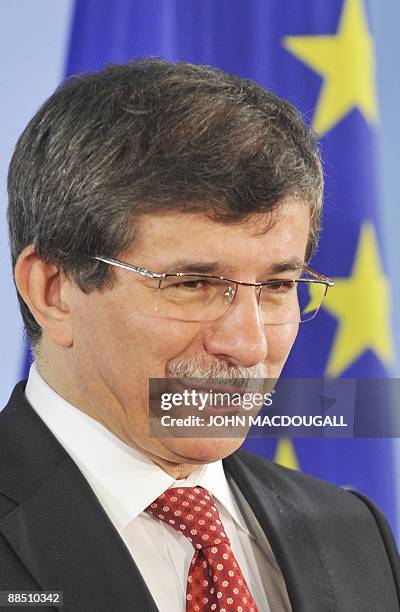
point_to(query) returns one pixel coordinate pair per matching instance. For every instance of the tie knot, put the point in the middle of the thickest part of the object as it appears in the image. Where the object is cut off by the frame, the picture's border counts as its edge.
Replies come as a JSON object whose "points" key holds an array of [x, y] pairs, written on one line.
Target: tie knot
{"points": [[192, 512]]}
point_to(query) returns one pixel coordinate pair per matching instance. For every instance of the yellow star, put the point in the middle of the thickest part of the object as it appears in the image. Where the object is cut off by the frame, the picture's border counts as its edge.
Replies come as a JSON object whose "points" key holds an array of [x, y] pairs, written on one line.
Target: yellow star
{"points": [[361, 304], [285, 454], [346, 62]]}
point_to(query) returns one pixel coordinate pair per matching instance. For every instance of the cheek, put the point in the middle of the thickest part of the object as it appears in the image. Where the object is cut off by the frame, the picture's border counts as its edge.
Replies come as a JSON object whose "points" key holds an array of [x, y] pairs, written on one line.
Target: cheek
{"points": [[166, 340], [111, 336], [280, 341], [145, 344]]}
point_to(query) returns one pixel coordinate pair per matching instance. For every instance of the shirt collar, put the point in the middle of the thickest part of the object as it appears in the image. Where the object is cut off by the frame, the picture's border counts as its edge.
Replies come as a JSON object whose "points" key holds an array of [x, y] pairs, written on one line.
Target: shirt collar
{"points": [[124, 480]]}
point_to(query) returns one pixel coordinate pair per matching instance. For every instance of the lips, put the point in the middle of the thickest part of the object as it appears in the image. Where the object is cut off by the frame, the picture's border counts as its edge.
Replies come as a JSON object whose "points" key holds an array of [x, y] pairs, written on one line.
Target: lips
{"points": [[223, 385], [216, 395]]}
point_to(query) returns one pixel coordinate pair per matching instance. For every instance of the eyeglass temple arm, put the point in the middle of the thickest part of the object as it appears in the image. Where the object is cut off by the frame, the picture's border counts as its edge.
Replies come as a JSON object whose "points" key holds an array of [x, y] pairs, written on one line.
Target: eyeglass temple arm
{"points": [[320, 277], [120, 264], [150, 274]]}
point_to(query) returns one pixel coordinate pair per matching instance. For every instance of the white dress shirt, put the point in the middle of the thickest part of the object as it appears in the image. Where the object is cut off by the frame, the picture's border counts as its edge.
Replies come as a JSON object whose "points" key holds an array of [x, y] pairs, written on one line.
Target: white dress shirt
{"points": [[126, 482]]}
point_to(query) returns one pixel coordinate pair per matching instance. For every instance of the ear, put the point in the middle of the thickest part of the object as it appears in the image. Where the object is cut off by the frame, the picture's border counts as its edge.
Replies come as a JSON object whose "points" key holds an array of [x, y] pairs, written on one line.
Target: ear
{"points": [[42, 287]]}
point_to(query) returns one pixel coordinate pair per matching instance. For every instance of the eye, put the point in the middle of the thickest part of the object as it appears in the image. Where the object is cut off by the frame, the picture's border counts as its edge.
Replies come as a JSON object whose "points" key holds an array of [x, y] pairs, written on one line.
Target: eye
{"points": [[188, 284], [192, 284], [280, 286]]}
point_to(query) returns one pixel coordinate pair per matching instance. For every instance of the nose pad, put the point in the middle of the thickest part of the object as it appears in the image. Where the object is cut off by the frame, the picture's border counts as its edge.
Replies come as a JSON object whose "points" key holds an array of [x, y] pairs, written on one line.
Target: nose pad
{"points": [[229, 294], [258, 296]]}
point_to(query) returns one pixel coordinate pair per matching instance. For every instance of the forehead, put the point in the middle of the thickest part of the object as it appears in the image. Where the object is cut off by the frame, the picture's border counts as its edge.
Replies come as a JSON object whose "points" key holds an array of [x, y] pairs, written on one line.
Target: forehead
{"points": [[265, 239]]}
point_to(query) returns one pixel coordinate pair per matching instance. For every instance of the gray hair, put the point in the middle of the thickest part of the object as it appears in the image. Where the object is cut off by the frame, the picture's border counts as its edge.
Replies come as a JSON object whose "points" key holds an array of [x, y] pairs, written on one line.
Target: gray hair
{"points": [[145, 137]]}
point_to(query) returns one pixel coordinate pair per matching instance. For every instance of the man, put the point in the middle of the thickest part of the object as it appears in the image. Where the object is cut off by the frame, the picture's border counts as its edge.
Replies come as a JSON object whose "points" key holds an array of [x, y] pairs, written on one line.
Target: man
{"points": [[131, 193]]}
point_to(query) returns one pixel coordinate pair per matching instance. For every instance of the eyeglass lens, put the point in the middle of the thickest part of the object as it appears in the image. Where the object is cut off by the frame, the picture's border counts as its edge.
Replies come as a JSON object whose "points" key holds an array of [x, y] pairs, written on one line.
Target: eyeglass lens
{"points": [[200, 299]]}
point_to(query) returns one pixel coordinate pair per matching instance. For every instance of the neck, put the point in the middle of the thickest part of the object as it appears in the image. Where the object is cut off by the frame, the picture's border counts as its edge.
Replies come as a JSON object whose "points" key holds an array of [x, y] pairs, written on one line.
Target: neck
{"points": [[177, 471]]}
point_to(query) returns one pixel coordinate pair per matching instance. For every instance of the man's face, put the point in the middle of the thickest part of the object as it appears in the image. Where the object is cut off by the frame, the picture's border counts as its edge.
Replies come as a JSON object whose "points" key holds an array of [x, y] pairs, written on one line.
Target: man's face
{"points": [[116, 348]]}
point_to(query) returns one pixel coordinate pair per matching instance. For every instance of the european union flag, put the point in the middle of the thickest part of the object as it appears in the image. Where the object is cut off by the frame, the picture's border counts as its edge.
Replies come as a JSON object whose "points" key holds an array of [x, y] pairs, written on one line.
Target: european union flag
{"points": [[320, 56]]}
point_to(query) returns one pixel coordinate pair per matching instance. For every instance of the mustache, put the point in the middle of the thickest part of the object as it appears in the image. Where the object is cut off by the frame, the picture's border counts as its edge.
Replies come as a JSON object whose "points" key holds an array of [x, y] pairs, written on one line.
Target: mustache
{"points": [[197, 368]]}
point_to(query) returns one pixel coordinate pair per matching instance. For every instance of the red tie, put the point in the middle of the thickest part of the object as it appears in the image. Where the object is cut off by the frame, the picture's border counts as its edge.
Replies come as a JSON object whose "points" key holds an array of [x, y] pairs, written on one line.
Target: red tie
{"points": [[215, 581]]}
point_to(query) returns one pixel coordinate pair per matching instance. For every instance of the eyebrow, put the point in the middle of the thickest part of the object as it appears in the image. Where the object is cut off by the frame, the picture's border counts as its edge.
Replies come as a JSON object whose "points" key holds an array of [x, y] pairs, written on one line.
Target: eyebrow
{"points": [[200, 267], [292, 264], [288, 265]]}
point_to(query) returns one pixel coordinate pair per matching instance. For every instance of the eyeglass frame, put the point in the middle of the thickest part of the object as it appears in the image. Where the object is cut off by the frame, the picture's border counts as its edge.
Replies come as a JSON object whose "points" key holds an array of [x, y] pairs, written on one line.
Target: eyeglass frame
{"points": [[319, 278]]}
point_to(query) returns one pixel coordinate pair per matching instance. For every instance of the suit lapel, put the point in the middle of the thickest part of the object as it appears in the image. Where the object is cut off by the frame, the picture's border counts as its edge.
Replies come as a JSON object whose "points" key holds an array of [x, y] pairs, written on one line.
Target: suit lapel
{"points": [[60, 531], [289, 533], [66, 541]]}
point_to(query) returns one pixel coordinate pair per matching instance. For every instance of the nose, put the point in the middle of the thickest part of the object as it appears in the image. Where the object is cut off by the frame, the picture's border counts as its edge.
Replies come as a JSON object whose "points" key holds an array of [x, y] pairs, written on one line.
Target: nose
{"points": [[239, 336]]}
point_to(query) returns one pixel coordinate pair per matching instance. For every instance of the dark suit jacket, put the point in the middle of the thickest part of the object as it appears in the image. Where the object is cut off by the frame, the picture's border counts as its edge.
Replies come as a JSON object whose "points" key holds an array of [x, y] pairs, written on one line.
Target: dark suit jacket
{"points": [[334, 548]]}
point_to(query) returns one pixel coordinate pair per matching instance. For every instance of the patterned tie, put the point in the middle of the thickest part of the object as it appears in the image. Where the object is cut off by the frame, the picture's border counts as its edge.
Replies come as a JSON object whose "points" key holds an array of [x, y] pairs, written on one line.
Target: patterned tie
{"points": [[215, 581]]}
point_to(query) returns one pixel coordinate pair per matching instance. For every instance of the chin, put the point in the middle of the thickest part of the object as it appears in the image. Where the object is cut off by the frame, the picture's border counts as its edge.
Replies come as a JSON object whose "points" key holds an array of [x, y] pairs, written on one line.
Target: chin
{"points": [[201, 450]]}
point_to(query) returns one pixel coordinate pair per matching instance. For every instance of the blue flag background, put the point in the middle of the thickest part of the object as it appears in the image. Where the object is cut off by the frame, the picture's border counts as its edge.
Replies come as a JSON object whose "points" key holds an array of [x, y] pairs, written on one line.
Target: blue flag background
{"points": [[320, 56]]}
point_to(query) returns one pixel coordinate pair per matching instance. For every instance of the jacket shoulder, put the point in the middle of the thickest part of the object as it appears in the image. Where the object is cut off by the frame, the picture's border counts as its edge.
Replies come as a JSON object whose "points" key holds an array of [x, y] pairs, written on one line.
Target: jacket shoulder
{"points": [[324, 504], [330, 509], [294, 483], [29, 452]]}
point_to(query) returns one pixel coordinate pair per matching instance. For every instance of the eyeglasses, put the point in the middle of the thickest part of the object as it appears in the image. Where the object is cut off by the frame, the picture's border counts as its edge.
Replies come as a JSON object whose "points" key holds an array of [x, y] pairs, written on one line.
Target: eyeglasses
{"points": [[201, 297]]}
